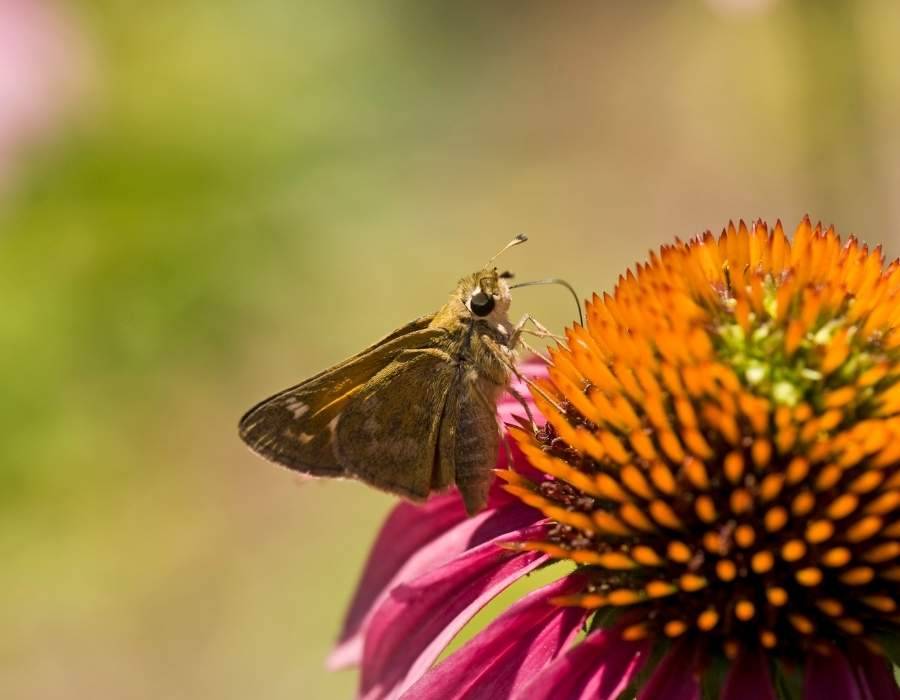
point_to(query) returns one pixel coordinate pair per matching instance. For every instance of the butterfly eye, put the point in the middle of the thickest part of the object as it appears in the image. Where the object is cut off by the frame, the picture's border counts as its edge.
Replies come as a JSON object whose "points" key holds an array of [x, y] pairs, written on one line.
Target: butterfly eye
{"points": [[481, 304]]}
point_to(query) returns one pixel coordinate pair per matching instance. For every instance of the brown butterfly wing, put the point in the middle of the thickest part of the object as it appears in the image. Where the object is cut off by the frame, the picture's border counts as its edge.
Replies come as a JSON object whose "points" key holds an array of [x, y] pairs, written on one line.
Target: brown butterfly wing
{"points": [[387, 434], [295, 427]]}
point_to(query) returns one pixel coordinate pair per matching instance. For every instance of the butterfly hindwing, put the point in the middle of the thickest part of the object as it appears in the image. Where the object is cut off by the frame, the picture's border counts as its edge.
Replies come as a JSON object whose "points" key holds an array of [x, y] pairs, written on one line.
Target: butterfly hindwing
{"points": [[388, 437], [472, 447]]}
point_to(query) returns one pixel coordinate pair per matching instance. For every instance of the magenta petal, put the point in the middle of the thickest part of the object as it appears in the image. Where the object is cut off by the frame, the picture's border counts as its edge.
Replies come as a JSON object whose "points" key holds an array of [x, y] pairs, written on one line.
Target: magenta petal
{"points": [[830, 676], [599, 668], [675, 678], [749, 679], [413, 540], [407, 530], [875, 677], [506, 655], [418, 619]]}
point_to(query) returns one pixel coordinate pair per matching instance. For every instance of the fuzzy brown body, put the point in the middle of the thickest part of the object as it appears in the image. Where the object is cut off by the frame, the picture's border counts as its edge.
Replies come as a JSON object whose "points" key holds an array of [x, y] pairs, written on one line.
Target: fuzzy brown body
{"points": [[413, 414]]}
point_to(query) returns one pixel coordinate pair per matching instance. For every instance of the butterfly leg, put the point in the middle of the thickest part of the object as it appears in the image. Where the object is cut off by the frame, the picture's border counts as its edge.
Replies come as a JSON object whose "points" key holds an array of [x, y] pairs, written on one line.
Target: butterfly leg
{"points": [[534, 351], [505, 356], [522, 402], [540, 331], [506, 448]]}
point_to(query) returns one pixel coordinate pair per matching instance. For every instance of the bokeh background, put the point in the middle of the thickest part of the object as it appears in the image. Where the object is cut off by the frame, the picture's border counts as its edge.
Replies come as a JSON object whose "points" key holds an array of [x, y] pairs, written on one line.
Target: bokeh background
{"points": [[202, 202]]}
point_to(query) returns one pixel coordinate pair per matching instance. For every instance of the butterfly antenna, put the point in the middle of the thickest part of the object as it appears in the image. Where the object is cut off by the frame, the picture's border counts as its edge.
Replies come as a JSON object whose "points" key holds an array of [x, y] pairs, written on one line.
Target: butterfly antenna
{"points": [[521, 238], [561, 283]]}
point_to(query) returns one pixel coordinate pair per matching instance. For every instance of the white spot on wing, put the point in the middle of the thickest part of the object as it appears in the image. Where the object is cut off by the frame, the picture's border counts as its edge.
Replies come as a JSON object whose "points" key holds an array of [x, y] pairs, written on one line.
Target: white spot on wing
{"points": [[297, 408], [332, 424]]}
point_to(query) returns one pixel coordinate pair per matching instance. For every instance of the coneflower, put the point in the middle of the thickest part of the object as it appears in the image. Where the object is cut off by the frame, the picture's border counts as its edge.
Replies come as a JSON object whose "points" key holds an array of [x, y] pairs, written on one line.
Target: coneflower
{"points": [[720, 464]]}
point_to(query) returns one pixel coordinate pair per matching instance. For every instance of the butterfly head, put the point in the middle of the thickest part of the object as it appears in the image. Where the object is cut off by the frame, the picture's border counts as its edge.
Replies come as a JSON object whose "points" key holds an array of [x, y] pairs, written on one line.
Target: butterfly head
{"points": [[486, 295]]}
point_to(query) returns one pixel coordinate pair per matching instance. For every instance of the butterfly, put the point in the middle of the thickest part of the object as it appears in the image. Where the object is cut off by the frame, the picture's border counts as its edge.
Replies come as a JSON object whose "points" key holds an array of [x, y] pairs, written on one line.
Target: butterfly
{"points": [[413, 414]]}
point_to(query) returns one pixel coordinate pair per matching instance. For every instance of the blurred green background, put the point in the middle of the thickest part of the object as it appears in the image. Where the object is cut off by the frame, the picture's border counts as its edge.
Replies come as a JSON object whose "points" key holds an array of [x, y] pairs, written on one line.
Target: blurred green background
{"points": [[237, 194]]}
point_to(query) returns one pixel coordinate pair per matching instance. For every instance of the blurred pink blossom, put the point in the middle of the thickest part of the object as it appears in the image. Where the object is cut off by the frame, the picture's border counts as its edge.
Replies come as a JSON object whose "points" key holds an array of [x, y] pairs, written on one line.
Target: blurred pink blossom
{"points": [[41, 70], [741, 6]]}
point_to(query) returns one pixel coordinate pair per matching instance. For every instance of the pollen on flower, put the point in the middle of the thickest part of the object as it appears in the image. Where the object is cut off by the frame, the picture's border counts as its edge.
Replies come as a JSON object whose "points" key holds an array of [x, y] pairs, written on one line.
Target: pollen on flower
{"points": [[723, 439]]}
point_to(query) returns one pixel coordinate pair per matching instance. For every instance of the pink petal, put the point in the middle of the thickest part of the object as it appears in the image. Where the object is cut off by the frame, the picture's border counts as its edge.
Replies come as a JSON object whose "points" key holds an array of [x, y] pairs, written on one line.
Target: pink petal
{"points": [[414, 540], [418, 538], [875, 677], [749, 679], [513, 648], [42, 69], [419, 618], [599, 668], [830, 676], [407, 530], [676, 678]]}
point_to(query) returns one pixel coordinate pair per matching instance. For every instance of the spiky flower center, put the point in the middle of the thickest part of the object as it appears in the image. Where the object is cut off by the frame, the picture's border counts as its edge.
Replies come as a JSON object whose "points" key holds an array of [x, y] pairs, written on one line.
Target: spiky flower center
{"points": [[724, 441]]}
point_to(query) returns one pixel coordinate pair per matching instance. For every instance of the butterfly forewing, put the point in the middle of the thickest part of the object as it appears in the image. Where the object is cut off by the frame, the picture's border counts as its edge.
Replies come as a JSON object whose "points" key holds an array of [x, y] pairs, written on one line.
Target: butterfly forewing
{"points": [[295, 427]]}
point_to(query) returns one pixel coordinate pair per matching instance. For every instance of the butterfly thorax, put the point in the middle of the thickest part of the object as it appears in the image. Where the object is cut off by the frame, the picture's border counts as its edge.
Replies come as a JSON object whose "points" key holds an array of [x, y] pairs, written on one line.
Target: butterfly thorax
{"points": [[473, 340]]}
